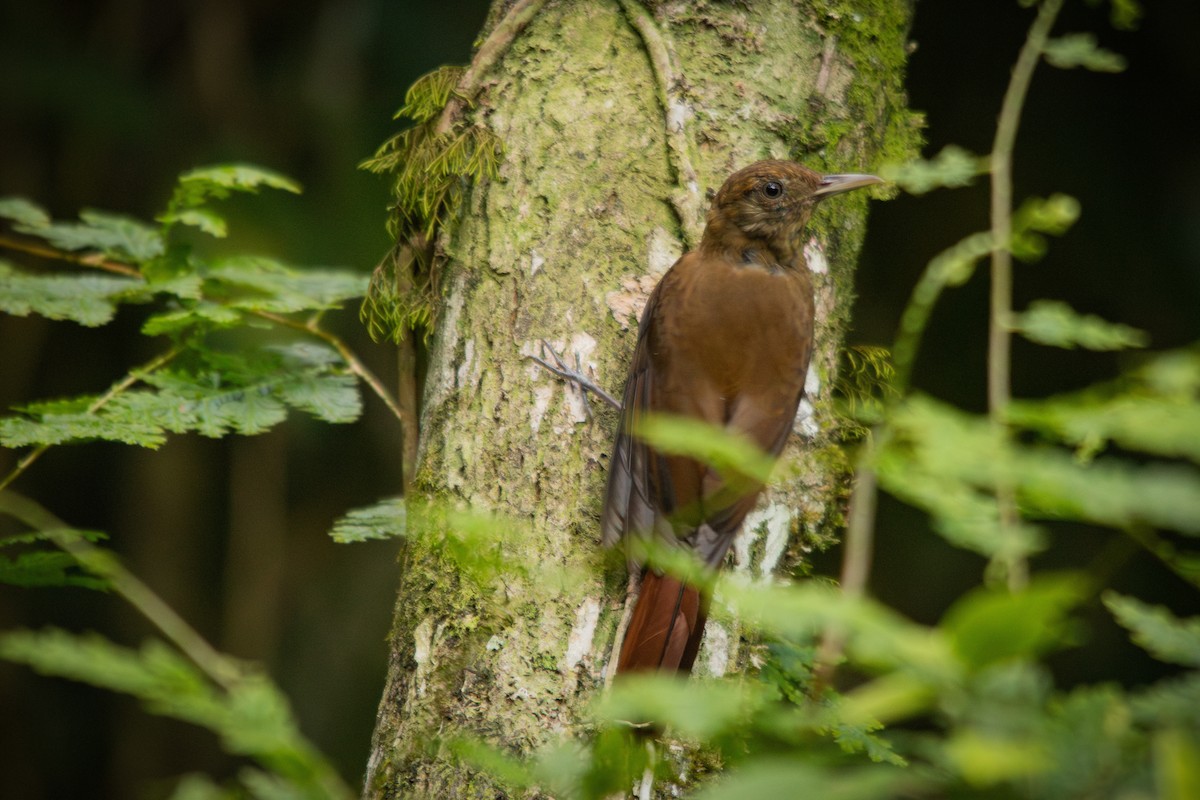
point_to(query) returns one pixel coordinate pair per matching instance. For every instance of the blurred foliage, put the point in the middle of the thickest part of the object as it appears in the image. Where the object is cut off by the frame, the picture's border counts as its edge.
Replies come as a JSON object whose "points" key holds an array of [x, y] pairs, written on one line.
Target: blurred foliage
{"points": [[197, 383]]}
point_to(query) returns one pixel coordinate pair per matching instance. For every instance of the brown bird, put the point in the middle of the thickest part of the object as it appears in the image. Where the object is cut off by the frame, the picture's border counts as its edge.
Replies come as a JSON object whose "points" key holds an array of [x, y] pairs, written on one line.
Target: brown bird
{"points": [[725, 338]]}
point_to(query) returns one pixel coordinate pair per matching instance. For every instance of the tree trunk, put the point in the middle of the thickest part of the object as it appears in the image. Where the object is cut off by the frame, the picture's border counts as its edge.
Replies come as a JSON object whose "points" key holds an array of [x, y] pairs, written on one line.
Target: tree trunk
{"points": [[616, 119]]}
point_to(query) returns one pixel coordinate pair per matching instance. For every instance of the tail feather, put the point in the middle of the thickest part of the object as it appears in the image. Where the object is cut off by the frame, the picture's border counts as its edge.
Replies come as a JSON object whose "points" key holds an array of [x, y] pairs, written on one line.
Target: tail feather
{"points": [[665, 629]]}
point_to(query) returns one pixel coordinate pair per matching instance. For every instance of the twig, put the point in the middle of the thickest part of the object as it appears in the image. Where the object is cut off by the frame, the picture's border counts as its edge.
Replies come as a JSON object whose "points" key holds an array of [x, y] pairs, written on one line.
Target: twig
{"points": [[140, 596], [999, 327], [686, 201], [356, 365], [88, 260], [856, 561], [131, 378], [564, 371]]}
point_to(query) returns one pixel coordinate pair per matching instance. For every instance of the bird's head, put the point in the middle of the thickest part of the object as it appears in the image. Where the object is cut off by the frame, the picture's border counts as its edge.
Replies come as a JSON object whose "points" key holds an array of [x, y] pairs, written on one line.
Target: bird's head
{"points": [[768, 204]]}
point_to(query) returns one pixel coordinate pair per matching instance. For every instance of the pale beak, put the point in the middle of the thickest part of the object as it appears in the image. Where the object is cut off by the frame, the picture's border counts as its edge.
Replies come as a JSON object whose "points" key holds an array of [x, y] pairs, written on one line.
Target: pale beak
{"points": [[836, 184]]}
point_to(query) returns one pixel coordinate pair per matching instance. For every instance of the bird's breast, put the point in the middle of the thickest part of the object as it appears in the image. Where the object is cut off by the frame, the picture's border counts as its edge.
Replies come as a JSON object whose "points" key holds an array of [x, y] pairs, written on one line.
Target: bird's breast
{"points": [[740, 327]]}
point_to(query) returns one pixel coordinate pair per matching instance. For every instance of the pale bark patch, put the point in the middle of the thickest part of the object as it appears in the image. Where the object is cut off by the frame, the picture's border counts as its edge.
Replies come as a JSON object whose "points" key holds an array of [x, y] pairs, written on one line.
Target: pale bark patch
{"points": [[579, 643]]}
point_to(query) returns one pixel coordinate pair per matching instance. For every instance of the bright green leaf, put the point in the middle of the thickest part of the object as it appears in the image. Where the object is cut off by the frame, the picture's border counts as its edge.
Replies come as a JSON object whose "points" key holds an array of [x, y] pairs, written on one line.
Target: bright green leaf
{"points": [[991, 625], [953, 167], [988, 760], [386, 519], [1057, 324], [1156, 630], [731, 454], [21, 211], [1176, 765], [783, 777], [218, 182], [113, 235], [90, 300], [205, 219], [691, 709], [1081, 50]]}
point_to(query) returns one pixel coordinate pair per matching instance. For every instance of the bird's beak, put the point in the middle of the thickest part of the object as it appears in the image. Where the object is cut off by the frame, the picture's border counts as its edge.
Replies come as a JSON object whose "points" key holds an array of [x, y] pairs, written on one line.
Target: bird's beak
{"points": [[836, 184]]}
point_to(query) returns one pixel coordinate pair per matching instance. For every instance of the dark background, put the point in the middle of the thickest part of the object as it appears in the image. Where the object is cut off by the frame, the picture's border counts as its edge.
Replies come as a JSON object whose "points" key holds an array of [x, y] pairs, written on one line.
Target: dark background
{"points": [[102, 104]]}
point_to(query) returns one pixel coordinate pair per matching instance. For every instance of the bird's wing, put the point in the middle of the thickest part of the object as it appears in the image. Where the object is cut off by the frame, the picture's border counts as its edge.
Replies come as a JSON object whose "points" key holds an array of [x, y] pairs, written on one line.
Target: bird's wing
{"points": [[633, 497]]}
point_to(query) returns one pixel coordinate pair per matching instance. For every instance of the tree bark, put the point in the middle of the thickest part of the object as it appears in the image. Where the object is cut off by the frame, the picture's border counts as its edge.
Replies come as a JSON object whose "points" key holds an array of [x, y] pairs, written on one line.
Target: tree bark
{"points": [[616, 119]]}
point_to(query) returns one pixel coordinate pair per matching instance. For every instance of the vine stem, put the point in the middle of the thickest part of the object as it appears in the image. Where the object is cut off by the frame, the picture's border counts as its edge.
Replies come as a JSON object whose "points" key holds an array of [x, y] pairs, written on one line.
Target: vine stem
{"points": [[999, 371], [686, 201], [489, 53], [856, 560]]}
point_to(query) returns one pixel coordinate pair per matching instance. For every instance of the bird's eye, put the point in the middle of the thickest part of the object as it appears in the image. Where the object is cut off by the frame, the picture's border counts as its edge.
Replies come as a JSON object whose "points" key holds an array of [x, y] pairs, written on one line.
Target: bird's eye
{"points": [[772, 189]]}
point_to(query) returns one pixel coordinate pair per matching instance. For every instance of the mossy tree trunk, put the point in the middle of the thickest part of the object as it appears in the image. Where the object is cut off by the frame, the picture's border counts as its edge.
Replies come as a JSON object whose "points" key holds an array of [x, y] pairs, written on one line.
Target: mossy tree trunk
{"points": [[616, 118]]}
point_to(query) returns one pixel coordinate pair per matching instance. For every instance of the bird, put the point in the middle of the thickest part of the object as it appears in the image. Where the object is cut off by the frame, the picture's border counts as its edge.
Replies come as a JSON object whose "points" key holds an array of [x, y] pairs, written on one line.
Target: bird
{"points": [[726, 338]]}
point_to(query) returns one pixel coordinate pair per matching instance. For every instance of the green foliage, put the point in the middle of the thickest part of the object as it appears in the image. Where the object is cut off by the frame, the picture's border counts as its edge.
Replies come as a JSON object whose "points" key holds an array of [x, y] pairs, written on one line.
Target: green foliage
{"points": [[250, 716], [384, 520], [247, 393], [1081, 50], [198, 383], [90, 300], [432, 163], [953, 167], [1057, 324], [735, 457], [35, 565], [1163, 635]]}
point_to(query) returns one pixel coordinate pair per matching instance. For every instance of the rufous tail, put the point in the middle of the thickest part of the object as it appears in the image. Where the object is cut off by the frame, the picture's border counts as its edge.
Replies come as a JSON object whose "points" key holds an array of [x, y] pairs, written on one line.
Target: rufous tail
{"points": [[665, 628]]}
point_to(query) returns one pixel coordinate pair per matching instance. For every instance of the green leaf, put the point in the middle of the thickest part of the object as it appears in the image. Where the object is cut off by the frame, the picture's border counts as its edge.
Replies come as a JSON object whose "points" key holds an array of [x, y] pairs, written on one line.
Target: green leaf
{"points": [[260, 284], [1171, 703], [1057, 324], [953, 167], [46, 568], [781, 776], [732, 454], [961, 453], [1156, 630], [113, 235], [252, 718], [205, 219], [1053, 215], [37, 565], [1125, 14], [90, 300], [21, 211], [1165, 426], [219, 182], [1081, 50], [386, 519], [985, 760], [247, 393], [203, 314], [994, 625], [695, 710]]}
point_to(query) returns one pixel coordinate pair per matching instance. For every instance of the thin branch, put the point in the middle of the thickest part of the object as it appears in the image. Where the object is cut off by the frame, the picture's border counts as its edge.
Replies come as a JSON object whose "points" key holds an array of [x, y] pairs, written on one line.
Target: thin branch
{"points": [[856, 560], [686, 201], [88, 260], [999, 322], [353, 361], [219, 668], [485, 58], [132, 377]]}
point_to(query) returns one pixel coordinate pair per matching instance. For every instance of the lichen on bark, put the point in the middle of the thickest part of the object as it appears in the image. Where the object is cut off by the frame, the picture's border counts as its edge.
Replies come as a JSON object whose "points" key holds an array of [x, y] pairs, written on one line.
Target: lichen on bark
{"points": [[560, 248]]}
